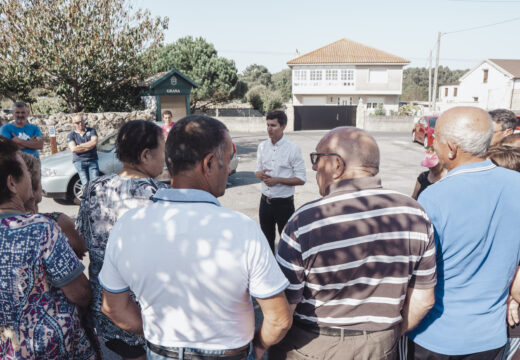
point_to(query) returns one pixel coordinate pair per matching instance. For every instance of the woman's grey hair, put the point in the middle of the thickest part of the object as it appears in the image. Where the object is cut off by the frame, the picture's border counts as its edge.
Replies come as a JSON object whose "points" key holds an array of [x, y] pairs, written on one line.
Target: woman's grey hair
{"points": [[470, 140]]}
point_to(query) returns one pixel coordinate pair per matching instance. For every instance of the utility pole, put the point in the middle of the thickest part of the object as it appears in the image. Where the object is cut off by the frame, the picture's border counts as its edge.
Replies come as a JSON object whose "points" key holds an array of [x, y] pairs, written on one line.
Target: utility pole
{"points": [[430, 83], [435, 76]]}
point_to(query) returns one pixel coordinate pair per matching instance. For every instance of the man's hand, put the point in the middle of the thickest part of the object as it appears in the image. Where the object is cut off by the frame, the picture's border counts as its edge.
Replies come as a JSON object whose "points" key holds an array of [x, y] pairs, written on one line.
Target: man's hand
{"points": [[272, 181], [262, 174], [512, 311]]}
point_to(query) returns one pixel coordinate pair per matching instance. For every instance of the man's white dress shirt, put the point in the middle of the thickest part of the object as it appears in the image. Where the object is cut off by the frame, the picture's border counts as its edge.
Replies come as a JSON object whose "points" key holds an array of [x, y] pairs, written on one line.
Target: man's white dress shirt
{"points": [[284, 159]]}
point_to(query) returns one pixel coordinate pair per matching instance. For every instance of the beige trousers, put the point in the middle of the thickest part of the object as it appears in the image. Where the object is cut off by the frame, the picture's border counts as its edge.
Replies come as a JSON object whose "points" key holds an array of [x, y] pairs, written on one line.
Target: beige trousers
{"points": [[300, 344]]}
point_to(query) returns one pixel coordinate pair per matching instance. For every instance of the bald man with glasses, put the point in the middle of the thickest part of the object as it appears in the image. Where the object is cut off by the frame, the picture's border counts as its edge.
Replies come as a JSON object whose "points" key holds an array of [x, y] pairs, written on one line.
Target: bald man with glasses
{"points": [[360, 260]]}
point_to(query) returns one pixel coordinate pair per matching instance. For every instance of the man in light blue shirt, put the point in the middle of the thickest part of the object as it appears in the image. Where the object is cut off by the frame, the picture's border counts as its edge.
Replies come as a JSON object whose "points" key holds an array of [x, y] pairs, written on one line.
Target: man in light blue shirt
{"points": [[27, 136], [474, 211]]}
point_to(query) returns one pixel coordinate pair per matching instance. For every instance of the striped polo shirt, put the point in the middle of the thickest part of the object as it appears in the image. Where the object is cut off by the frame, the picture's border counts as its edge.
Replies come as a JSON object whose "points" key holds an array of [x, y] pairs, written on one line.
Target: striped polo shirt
{"points": [[351, 256]]}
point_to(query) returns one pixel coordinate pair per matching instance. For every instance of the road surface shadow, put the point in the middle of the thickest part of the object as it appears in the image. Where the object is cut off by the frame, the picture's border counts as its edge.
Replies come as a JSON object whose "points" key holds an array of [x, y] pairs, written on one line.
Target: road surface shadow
{"points": [[241, 178]]}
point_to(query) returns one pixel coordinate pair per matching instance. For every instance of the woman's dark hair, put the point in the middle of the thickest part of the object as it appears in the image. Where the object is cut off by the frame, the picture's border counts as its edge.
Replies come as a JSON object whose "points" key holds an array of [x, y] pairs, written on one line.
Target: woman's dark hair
{"points": [[134, 137], [191, 139], [9, 165]]}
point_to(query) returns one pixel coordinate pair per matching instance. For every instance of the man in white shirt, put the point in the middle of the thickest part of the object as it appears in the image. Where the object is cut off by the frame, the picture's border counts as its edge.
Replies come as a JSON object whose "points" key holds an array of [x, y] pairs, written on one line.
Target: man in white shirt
{"points": [[192, 264], [280, 167]]}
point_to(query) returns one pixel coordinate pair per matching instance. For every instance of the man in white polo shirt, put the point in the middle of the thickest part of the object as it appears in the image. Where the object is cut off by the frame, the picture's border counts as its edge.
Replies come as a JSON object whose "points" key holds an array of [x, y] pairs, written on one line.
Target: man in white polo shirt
{"points": [[192, 264], [280, 167]]}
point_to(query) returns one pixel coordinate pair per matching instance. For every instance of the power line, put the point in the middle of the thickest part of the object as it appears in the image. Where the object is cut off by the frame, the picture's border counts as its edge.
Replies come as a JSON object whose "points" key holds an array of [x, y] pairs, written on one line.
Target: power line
{"points": [[487, 1], [482, 26]]}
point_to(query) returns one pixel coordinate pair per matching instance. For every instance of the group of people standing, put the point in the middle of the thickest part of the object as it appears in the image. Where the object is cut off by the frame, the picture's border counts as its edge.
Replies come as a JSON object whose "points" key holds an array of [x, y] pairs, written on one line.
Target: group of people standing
{"points": [[172, 273]]}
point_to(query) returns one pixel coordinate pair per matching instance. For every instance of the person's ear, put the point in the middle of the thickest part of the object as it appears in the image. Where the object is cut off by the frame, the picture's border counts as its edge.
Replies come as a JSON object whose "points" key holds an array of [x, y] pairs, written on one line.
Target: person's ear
{"points": [[11, 184], [208, 163], [145, 155], [508, 132], [339, 167], [452, 154]]}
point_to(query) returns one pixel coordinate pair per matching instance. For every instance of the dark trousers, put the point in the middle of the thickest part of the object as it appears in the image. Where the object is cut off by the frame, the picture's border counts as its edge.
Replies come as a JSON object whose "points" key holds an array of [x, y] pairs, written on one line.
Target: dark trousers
{"points": [[274, 212], [417, 352]]}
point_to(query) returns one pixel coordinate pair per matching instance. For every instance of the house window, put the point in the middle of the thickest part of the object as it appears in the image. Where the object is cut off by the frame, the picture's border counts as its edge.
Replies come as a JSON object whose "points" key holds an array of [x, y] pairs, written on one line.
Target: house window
{"points": [[455, 92], [446, 92], [475, 99], [377, 76], [347, 75], [485, 79], [300, 75], [316, 74], [331, 74]]}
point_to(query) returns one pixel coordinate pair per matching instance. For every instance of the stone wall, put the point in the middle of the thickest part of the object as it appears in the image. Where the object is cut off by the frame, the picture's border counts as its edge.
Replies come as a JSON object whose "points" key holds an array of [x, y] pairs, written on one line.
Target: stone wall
{"points": [[104, 123]]}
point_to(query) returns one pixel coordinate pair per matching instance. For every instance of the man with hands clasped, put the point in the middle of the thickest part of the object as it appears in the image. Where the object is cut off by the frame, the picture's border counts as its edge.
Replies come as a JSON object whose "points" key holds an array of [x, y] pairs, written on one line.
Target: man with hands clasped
{"points": [[280, 167]]}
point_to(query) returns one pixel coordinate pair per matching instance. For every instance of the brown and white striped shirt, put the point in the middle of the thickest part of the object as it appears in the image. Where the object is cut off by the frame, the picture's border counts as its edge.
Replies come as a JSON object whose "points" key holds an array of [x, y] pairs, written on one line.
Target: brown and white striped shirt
{"points": [[351, 256]]}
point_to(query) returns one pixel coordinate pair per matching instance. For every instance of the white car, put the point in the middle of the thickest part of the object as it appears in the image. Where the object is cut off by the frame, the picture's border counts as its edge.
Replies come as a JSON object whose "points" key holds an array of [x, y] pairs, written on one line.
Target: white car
{"points": [[60, 180]]}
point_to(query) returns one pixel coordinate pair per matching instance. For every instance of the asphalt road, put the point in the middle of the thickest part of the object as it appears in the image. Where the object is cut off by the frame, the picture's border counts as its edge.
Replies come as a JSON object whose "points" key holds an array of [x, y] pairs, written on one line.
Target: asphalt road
{"points": [[400, 160], [399, 168]]}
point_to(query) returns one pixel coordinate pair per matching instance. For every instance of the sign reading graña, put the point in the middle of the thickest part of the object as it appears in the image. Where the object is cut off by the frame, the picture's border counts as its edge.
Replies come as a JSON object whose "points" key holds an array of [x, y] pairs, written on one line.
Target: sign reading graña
{"points": [[173, 91]]}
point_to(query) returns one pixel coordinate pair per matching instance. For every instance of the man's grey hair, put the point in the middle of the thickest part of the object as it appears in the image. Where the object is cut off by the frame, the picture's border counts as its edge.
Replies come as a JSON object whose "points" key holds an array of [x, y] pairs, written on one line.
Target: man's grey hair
{"points": [[505, 118], [469, 140], [19, 104]]}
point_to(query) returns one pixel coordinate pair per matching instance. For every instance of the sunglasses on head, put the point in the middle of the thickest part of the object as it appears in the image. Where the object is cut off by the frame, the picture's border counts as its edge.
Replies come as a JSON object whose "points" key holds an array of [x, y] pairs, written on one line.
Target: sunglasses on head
{"points": [[315, 157]]}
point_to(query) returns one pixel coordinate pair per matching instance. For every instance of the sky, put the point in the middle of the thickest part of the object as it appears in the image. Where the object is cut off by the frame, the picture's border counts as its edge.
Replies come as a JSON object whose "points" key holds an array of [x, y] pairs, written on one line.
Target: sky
{"points": [[269, 32]]}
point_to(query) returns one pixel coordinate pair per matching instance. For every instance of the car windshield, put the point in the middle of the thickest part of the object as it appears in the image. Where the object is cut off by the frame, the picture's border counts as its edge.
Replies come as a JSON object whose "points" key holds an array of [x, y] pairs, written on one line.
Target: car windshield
{"points": [[107, 144], [432, 122]]}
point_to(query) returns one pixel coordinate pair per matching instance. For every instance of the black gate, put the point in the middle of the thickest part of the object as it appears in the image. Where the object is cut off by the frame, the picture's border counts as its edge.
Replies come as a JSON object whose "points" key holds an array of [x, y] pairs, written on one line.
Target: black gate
{"points": [[324, 117]]}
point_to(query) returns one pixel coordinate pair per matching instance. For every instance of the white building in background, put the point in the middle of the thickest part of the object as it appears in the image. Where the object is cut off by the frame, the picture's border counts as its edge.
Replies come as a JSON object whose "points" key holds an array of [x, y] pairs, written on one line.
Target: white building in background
{"points": [[345, 73], [492, 84]]}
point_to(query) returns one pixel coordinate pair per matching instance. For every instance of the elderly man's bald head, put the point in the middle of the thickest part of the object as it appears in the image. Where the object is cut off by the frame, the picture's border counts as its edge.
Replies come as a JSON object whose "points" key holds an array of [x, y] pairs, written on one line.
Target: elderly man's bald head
{"points": [[470, 128], [357, 148]]}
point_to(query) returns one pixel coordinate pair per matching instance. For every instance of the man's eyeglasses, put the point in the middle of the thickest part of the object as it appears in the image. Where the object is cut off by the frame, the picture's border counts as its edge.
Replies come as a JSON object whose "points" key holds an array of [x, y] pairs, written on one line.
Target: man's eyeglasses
{"points": [[315, 157], [78, 122]]}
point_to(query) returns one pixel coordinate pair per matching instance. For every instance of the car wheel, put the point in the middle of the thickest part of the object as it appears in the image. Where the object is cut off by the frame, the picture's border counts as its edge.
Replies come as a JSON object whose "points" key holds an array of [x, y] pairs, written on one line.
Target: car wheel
{"points": [[425, 141], [413, 137], [75, 190]]}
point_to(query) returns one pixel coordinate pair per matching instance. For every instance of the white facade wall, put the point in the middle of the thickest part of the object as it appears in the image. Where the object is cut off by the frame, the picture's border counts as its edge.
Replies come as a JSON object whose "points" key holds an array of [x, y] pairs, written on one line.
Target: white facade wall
{"points": [[347, 85], [453, 93], [493, 94]]}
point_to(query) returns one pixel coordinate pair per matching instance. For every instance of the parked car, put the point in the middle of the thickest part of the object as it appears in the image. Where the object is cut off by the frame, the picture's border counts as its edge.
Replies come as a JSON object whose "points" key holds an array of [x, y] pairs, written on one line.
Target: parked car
{"points": [[424, 130], [60, 179]]}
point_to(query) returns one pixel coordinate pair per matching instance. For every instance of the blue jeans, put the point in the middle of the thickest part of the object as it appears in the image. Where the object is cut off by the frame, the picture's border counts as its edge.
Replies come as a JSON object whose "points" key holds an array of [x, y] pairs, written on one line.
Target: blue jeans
{"points": [[150, 355], [87, 170]]}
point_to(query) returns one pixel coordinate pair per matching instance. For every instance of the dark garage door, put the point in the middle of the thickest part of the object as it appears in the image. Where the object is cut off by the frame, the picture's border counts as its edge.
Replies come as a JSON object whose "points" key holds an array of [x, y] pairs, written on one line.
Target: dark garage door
{"points": [[324, 117]]}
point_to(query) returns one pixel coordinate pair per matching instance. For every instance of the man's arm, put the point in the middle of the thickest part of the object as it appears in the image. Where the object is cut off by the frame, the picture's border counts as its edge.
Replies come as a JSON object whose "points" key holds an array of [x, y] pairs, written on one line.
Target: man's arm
{"points": [[78, 291], [277, 321], [123, 311], [292, 181], [417, 304], [86, 146], [35, 142]]}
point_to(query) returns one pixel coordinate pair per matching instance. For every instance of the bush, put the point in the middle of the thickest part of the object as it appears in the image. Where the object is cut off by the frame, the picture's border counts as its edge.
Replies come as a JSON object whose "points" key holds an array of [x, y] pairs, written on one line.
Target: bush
{"points": [[49, 105], [272, 100], [408, 109], [255, 97], [380, 111]]}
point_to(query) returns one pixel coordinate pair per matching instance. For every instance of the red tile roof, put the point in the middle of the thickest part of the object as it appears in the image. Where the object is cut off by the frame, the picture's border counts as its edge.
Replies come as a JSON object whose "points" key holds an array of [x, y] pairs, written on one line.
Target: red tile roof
{"points": [[346, 51]]}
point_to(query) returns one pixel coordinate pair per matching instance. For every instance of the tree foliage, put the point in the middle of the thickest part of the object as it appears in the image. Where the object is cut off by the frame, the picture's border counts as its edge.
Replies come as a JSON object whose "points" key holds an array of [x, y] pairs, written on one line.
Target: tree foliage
{"points": [[86, 51], [256, 75], [415, 81], [216, 76]]}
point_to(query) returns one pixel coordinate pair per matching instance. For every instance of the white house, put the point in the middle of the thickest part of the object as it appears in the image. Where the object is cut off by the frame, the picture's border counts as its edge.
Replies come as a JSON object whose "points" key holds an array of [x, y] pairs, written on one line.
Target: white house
{"points": [[492, 84], [347, 73]]}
